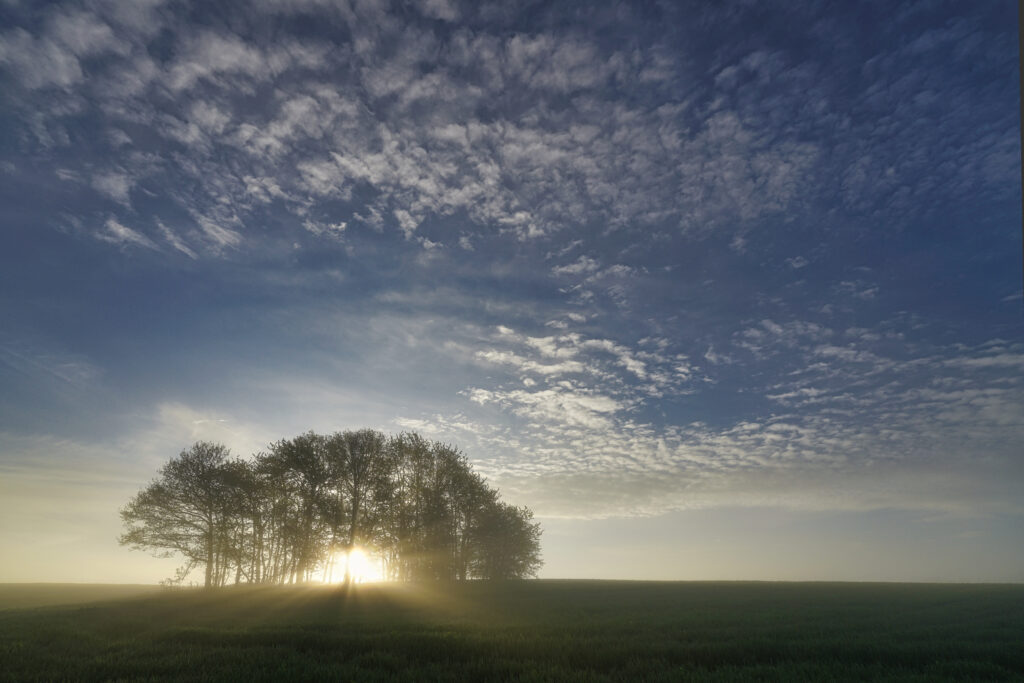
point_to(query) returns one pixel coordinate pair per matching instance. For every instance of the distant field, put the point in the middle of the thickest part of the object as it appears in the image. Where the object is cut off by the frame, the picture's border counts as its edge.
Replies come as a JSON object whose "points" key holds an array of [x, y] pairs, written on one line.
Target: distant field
{"points": [[526, 631], [21, 595]]}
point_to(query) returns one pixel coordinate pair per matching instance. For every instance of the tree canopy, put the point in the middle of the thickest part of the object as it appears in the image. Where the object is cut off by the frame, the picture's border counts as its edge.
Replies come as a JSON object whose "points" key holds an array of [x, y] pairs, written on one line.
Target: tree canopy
{"points": [[286, 514]]}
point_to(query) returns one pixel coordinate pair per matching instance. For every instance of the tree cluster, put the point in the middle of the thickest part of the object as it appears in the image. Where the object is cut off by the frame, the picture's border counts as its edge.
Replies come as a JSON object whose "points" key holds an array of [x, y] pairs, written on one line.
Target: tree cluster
{"points": [[287, 514]]}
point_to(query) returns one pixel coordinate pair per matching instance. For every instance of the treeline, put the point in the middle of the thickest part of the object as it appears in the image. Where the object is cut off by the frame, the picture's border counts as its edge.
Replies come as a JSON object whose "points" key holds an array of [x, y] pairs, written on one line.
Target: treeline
{"points": [[287, 514]]}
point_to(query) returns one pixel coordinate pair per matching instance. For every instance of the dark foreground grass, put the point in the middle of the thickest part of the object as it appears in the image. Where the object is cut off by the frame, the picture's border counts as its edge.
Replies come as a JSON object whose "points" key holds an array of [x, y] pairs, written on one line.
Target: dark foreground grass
{"points": [[527, 631]]}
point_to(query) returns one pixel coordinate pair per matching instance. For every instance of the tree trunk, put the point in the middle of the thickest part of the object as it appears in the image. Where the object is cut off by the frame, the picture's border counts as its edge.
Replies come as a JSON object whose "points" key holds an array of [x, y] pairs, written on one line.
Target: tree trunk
{"points": [[352, 538], [209, 556]]}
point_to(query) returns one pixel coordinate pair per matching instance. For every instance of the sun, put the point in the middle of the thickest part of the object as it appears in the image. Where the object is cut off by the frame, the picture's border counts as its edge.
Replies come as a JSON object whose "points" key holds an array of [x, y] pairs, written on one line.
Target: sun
{"points": [[362, 566]]}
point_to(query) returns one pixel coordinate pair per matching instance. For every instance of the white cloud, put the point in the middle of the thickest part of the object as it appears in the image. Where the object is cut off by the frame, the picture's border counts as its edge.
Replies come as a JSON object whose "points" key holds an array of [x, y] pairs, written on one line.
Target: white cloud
{"points": [[999, 360], [263, 189], [860, 421], [53, 57], [119, 234], [584, 264], [624, 355], [858, 289], [558, 405], [115, 185], [209, 117], [175, 241], [527, 178], [439, 9], [219, 235], [715, 358], [336, 230], [555, 347], [38, 63], [209, 54], [527, 365], [406, 222], [84, 34], [398, 113]]}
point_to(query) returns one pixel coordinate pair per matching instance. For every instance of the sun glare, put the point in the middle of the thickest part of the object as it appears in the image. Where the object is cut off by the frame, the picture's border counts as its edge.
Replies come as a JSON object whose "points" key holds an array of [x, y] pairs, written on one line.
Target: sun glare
{"points": [[362, 567]]}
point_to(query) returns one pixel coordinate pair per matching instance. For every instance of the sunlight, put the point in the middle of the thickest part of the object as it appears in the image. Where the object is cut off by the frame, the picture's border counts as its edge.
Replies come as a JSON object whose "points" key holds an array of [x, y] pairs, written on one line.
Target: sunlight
{"points": [[362, 566]]}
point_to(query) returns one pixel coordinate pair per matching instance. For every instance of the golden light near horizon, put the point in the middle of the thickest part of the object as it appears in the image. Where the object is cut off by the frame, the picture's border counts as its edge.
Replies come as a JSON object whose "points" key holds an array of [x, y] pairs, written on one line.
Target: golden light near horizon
{"points": [[363, 567]]}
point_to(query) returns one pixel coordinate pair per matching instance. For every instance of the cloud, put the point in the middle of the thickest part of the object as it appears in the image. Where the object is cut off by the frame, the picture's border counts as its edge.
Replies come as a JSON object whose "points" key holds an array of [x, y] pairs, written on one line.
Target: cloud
{"points": [[38, 63], [217, 234], [527, 177], [797, 262], [47, 365], [415, 123], [439, 9], [625, 357], [175, 241], [733, 171], [715, 358], [526, 365], [768, 337], [581, 265], [122, 235], [561, 404], [555, 219], [574, 353], [336, 230], [211, 54], [84, 34], [858, 289], [114, 185], [406, 222], [998, 360], [856, 426], [52, 59]]}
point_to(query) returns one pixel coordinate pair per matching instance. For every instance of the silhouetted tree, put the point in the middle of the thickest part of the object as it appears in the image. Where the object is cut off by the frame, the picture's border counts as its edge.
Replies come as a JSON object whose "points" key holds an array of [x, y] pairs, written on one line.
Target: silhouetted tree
{"points": [[288, 513], [507, 543], [357, 465], [181, 510]]}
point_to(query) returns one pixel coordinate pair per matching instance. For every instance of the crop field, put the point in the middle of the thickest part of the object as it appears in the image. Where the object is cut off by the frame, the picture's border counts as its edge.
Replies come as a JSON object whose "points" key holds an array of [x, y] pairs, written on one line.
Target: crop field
{"points": [[523, 631]]}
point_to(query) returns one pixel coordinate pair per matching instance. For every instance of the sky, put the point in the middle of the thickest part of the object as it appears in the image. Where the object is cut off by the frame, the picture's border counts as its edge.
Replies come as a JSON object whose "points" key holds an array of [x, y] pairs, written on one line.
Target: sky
{"points": [[719, 290]]}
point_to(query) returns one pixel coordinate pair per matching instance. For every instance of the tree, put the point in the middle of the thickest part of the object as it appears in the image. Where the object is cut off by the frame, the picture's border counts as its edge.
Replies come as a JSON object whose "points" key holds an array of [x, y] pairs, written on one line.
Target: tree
{"points": [[301, 466], [507, 543], [245, 504], [281, 516], [180, 511], [358, 466]]}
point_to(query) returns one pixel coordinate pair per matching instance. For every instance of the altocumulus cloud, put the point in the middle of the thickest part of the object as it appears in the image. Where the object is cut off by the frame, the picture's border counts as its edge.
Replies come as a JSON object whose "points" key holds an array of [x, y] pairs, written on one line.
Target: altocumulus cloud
{"points": [[631, 263]]}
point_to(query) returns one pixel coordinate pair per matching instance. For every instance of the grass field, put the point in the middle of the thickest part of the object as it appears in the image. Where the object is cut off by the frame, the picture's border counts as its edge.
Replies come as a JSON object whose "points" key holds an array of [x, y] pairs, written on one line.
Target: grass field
{"points": [[530, 630]]}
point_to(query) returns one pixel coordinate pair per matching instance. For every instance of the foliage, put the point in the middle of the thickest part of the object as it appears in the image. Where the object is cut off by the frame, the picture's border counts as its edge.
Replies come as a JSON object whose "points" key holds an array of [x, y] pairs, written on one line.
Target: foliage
{"points": [[185, 510], [287, 514]]}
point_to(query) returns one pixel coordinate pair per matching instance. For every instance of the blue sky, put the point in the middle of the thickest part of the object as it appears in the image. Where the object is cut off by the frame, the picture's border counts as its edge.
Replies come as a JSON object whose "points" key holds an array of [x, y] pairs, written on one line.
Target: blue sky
{"points": [[679, 276]]}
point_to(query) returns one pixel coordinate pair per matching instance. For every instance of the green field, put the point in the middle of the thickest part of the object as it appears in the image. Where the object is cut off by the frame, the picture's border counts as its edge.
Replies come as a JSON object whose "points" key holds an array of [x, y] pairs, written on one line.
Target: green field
{"points": [[528, 630]]}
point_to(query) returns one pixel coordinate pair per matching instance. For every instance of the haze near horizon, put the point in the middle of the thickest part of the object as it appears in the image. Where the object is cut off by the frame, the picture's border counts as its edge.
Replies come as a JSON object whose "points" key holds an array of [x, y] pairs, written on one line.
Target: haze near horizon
{"points": [[718, 291]]}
